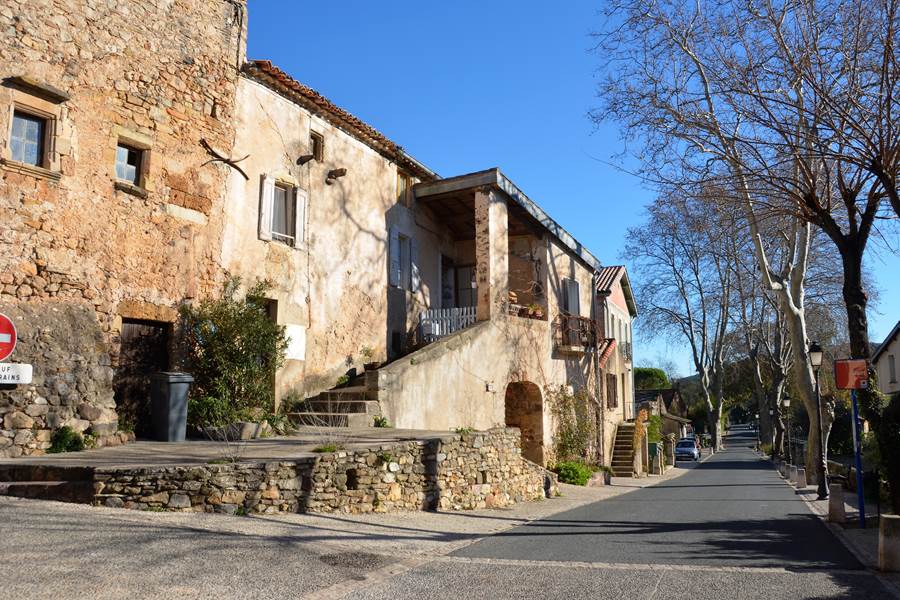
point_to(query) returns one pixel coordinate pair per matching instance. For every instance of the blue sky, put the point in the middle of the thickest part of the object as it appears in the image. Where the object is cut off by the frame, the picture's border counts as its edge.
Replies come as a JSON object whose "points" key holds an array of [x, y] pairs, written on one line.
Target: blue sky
{"points": [[465, 86]]}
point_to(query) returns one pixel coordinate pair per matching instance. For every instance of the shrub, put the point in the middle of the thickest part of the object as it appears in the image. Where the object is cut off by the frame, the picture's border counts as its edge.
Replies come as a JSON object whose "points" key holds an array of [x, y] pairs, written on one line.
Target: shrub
{"points": [[233, 350], [464, 430], [654, 429], [574, 428], [381, 421], [327, 448], [572, 472], [65, 439]]}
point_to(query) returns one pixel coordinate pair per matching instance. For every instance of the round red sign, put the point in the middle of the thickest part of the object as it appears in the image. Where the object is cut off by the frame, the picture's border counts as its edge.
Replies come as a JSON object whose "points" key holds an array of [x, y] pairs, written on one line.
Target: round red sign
{"points": [[7, 337]]}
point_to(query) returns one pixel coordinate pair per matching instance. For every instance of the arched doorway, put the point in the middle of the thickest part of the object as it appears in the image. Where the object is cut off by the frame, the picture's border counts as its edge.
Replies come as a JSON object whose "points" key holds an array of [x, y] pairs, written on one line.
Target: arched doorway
{"points": [[525, 410]]}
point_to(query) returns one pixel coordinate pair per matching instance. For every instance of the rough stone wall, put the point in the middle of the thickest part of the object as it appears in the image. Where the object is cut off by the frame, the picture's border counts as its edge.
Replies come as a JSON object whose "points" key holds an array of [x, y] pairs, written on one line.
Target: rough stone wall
{"points": [[457, 472], [159, 72]]}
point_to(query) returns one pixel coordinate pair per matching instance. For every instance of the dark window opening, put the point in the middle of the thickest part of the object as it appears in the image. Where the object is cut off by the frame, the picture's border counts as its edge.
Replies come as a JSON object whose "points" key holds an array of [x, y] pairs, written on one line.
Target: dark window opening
{"points": [[317, 145], [283, 220]]}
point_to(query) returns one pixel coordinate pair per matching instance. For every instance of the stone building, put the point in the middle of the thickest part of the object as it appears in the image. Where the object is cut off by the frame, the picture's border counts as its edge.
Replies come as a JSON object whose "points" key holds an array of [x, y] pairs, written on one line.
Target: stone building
{"points": [[111, 214], [469, 304]]}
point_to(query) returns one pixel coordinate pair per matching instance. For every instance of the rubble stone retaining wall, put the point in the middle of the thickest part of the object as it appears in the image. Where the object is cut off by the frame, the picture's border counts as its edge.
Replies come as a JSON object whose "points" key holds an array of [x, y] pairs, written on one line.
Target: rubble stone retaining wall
{"points": [[454, 472]]}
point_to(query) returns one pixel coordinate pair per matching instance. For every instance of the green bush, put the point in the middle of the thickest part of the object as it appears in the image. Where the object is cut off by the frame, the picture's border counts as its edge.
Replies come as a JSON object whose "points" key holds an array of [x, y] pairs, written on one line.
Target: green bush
{"points": [[654, 429], [65, 439], [381, 421], [233, 349], [574, 425], [572, 472]]}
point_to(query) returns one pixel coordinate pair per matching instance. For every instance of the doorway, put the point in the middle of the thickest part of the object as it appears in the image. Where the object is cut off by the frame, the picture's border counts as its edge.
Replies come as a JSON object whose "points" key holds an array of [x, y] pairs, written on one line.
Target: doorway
{"points": [[525, 410], [144, 350]]}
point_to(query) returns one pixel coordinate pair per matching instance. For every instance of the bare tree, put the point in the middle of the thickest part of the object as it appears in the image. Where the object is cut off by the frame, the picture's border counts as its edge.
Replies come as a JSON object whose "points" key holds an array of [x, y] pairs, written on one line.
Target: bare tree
{"points": [[745, 93], [686, 289]]}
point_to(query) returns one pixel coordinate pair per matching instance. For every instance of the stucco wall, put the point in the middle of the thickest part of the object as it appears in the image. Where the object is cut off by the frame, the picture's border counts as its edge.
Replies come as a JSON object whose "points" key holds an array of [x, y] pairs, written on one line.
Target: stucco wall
{"points": [[883, 367]]}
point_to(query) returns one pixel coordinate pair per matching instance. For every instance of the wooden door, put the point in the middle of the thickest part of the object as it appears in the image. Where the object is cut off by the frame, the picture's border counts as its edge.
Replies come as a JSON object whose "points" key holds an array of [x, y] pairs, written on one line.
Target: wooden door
{"points": [[144, 351]]}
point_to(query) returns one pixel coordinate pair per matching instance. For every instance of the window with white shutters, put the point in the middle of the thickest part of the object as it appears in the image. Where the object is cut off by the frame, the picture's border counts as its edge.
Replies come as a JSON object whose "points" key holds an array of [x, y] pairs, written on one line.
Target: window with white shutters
{"points": [[282, 212], [403, 261]]}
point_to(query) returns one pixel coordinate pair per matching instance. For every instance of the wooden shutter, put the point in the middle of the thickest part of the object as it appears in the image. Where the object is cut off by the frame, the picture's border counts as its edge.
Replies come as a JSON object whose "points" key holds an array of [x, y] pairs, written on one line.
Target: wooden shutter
{"points": [[301, 199], [266, 203], [394, 257], [414, 279]]}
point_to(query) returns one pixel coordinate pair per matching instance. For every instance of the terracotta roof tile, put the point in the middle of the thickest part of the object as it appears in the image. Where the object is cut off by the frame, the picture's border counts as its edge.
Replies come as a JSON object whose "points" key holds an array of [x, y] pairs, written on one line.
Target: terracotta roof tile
{"points": [[268, 74]]}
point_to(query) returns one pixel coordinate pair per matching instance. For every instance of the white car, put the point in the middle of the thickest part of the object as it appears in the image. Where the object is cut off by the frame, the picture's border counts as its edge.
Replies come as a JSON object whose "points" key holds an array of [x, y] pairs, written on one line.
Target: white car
{"points": [[686, 449]]}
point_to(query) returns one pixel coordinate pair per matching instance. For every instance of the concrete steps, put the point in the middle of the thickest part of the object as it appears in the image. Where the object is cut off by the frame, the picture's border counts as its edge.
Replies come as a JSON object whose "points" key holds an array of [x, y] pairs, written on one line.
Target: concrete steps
{"points": [[622, 464], [47, 482], [353, 405]]}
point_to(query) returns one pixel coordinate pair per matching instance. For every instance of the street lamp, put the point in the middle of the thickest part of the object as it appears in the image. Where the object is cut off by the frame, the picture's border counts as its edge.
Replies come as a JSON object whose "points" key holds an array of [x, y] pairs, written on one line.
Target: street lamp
{"points": [[786, 402], [771, 434], [815, 359], [756, 416]]}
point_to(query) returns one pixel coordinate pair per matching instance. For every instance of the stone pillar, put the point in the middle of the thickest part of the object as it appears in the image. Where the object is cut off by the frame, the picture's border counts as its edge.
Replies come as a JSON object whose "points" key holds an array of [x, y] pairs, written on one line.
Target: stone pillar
{"points": [[889, 543], [491, 253], [836, 512], [792, 474], [800, 479]]}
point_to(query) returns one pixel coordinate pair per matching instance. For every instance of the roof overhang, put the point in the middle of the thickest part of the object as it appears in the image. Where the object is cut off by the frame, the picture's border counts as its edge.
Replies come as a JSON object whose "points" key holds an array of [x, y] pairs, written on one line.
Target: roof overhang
{"points": [[496, 179]]}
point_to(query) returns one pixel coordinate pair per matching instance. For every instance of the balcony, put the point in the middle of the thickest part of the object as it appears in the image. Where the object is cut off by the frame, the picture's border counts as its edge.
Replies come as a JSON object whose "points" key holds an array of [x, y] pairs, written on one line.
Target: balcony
{"points": [[574, 335], [626, 351]]}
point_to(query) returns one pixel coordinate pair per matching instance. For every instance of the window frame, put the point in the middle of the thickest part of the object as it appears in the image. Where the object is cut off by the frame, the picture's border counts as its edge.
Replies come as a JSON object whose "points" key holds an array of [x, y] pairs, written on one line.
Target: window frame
{"points": [[138, 168], [42, 141], [892, 368], [49, 113], [404, 188], [290, 196]]}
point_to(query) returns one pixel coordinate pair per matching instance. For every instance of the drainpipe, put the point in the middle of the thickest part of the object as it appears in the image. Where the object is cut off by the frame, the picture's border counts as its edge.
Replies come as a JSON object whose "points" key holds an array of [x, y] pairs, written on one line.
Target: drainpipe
{"points": [[595, 313]]}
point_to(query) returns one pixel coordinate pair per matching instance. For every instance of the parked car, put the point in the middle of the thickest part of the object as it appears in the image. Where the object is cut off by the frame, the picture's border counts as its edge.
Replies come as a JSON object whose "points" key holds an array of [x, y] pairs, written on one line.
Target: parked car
{"points": [[686, 449]]}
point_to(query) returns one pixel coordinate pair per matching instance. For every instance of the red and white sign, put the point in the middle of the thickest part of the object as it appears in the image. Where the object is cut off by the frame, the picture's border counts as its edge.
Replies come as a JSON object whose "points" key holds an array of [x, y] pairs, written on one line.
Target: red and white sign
{"points": [[851, 374], [7, 337]]}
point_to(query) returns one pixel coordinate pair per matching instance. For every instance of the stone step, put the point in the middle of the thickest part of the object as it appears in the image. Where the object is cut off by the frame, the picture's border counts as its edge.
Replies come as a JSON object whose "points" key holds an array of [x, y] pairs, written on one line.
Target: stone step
{"points": [[36, 472], [332, 419], [61, 491], [330, 405]]}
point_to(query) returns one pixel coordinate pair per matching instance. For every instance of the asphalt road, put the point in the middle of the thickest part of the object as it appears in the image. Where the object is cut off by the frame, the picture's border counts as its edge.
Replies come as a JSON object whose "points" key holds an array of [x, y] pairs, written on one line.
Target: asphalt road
{"points": [[728, 528], [731, 528]]}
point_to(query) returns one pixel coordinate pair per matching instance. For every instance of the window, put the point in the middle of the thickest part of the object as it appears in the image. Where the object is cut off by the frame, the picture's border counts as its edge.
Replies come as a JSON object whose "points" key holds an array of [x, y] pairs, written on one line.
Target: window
{"points": [[281, 211], [128, 164], [571, 297], [27, 138], [317, 145], [892, 368], [403, 261], [404, 189], [283, 222]]}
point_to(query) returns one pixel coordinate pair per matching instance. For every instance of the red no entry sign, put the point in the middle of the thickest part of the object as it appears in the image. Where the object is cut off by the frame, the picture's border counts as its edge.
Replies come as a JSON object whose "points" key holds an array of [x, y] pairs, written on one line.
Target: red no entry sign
{"points": [[7, 337], [851, 374]]}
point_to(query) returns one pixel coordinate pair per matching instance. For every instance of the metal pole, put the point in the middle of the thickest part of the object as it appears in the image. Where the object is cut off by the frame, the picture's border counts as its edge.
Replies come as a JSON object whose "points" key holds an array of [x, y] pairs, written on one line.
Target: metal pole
{"points": [[823, 466], [857, 450], [790, 450]]}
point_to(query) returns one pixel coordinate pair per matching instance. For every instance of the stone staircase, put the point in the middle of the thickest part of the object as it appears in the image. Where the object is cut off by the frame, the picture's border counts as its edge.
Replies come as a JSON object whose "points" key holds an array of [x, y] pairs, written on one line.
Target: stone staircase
{"points": [[353, 405], [46, 482], [623, 451]]}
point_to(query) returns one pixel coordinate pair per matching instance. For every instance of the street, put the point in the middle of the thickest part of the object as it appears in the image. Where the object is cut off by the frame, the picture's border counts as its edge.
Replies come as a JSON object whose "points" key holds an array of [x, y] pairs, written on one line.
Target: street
{"points": [[728, 528]]}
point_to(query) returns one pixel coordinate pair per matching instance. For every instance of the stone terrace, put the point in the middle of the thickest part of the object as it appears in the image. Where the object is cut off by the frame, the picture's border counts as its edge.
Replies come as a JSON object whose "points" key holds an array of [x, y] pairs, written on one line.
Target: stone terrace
{"points": [[374, 471]]}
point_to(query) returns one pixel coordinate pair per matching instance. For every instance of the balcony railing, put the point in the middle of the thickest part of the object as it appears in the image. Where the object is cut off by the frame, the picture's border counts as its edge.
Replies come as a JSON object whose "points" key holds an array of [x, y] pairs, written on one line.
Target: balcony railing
{"points": [[626, 350], [574, 334], [436, 323]]}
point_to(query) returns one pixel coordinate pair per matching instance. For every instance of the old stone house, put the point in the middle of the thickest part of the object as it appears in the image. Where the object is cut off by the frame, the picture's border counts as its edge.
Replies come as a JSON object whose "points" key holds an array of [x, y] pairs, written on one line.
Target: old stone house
{"points": [[117, 124]]}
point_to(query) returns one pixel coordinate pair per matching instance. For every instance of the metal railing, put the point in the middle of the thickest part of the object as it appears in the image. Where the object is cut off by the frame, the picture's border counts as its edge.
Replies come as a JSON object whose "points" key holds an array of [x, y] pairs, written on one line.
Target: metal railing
{"points": [[436, 323], [626, 350], [571, 330]]}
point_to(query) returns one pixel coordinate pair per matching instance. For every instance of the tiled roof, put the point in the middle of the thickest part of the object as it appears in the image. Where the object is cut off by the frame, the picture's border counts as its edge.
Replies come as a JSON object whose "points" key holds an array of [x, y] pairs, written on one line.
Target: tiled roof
{"points": [[268, 74], [608, 278]]}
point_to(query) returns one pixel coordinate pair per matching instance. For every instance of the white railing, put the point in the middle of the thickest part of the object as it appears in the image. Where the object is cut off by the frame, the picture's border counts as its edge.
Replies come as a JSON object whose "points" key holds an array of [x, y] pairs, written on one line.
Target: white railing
{"points": [[436, 323]]}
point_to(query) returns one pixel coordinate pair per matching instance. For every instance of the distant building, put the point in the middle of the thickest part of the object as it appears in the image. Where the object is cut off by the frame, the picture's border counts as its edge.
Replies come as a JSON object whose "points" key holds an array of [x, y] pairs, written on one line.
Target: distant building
{"points": [[885, 360]]}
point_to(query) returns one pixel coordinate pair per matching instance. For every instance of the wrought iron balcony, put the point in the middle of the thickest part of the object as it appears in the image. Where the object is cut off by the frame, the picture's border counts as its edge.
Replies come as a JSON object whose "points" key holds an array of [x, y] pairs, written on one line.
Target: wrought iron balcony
{"points": [[573, 334]]}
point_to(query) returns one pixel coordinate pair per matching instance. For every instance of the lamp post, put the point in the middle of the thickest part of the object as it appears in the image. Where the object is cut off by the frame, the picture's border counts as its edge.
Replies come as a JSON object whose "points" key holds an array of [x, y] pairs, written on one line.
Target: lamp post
{"points": [[786, 402], [772, 430], [756, 416], [815, 359]]}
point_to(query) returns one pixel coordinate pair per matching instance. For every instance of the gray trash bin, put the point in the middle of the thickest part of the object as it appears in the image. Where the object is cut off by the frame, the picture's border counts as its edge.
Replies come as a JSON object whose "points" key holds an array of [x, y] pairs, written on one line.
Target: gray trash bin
{"points": [[169, 404]]}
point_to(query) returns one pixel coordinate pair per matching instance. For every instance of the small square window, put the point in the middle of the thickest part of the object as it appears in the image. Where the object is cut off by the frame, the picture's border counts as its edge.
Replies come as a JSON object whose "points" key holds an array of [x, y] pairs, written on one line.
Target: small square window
{"points": [[27, 139], [283, 221], [128, 164], [317, 145]]}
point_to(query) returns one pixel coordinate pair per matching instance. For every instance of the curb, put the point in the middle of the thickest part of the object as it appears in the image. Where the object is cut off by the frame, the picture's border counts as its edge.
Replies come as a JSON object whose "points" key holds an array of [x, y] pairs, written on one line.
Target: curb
{"points": [[893, 587]]}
